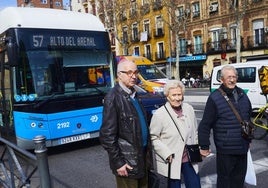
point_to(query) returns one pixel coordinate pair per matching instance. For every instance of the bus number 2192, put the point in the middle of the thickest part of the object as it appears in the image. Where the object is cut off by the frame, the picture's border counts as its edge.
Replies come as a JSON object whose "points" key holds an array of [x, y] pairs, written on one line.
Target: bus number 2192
{"points": [[63, 125]]}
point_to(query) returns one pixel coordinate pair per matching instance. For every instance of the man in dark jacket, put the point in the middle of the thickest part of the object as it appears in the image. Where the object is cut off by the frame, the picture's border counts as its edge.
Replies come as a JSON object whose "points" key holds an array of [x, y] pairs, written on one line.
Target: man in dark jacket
{"points": [[231, 147], [124, 131]]}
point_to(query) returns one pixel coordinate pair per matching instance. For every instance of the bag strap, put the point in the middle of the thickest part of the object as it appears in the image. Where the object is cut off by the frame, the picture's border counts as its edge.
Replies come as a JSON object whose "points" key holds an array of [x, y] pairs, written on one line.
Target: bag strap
{"points": [[231, 105], [174, 122]]}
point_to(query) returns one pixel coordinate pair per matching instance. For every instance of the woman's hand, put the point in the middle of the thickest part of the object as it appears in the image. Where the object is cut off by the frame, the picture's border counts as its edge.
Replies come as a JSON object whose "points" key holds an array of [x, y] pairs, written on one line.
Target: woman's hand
{"points": [[205, 153], [170, 158]]}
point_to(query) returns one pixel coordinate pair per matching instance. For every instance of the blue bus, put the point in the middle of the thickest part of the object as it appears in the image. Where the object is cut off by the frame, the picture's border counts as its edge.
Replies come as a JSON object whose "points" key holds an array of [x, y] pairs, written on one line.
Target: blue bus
{"points": [[55, 68]]}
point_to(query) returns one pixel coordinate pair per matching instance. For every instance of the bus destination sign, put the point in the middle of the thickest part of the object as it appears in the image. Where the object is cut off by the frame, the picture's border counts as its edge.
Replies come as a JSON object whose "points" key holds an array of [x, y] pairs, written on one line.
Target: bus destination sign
{"points": [[39, 41]]}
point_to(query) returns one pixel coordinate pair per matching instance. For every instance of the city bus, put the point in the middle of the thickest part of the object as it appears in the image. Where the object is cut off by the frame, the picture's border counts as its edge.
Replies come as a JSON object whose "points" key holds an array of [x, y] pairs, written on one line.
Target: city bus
{"points": [[55, 68]]}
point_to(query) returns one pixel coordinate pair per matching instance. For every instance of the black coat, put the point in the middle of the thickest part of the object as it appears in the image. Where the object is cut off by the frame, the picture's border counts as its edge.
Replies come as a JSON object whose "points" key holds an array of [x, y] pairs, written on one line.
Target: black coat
{"points": [[219, 116], [121, 133]]}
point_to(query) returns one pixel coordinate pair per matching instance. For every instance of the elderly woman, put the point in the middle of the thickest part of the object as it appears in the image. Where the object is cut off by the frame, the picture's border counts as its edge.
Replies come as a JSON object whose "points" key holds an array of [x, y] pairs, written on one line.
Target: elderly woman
{"points": [[172, 127]]}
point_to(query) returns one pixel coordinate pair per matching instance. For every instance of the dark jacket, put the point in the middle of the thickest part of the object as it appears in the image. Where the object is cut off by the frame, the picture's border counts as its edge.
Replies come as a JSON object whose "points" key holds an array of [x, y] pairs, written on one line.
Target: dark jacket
{"points": [[121, 135], [219, 116]]}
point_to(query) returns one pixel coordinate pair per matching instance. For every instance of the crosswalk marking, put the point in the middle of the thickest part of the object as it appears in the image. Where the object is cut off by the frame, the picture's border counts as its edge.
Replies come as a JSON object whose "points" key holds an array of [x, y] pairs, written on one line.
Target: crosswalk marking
{"points": [[210, 181]]}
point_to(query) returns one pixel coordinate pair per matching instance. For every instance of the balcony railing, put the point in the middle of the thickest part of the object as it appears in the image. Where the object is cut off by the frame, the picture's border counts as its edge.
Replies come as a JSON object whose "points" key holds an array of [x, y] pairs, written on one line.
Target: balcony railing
{"points": [[135, 39], [256, 42], [226, 45], [145, 9]]}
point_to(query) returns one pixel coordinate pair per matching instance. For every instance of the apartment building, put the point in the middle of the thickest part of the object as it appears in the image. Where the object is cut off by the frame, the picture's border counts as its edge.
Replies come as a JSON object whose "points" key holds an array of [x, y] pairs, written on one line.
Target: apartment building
{"points": [[202, 33], [55, 4], [215, 26]]}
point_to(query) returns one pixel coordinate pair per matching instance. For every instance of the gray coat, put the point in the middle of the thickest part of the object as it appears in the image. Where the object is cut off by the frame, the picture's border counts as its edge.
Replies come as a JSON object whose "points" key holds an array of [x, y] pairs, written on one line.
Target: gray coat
{"points": [[166, 139]]}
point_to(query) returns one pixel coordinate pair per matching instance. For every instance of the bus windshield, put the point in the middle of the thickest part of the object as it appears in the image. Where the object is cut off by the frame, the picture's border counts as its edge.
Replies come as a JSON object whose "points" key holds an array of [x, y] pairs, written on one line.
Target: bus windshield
{"points": [[45, 73]]}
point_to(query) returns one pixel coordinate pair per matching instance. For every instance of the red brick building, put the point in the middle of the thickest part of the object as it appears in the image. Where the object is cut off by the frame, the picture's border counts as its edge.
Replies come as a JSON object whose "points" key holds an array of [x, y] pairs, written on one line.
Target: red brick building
{"points": [[55, 4]]}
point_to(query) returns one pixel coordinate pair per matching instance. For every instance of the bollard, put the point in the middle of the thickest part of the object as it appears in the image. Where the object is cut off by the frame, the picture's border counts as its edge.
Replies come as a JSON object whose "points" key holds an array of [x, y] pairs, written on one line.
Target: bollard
{"points": [[42, 161]]}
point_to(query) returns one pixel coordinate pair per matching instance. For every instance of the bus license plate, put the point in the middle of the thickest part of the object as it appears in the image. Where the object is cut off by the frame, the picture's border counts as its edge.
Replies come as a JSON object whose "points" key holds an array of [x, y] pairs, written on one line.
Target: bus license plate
{"points": [[74, 138]]}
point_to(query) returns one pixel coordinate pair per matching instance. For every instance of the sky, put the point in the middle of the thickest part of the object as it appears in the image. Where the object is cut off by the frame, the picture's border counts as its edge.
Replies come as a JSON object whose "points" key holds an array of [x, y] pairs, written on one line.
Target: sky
{"points": [[13, 3]]}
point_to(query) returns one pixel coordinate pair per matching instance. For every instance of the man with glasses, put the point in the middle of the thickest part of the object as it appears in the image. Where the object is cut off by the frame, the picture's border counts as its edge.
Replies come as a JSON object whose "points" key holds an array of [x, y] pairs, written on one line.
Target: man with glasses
{"points": [[124, 132], [231, 147]]}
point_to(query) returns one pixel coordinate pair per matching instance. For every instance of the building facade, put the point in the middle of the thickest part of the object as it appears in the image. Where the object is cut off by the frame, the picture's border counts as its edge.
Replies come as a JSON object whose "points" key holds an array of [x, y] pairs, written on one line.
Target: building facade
{"points": [[55, 4]]}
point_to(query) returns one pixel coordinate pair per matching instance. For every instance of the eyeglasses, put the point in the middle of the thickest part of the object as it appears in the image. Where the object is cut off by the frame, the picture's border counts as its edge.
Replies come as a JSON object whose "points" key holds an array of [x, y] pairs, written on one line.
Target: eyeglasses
{"points": [[130, 73], [231, 77]]}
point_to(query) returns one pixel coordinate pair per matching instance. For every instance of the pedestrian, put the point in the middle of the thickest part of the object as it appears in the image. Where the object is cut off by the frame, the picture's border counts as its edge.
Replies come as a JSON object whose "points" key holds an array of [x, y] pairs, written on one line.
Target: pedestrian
{"points": [[124, 131], [173, 126], [231, 147]]}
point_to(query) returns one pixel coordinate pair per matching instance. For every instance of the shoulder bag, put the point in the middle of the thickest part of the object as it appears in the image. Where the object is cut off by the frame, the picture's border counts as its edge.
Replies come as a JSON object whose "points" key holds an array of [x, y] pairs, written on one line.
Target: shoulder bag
{"points": [[193, 150], [247, 127]]}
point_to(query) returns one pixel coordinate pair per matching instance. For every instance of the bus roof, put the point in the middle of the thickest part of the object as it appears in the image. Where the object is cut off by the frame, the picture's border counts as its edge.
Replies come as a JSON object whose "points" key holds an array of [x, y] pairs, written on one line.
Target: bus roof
{"points": [[22, 17]]}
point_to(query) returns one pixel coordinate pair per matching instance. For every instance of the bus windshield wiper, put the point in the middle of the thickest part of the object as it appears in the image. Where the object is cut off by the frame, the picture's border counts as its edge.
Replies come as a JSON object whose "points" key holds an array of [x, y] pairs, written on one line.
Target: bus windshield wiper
{"points": [[41, 103], [93, 86]]}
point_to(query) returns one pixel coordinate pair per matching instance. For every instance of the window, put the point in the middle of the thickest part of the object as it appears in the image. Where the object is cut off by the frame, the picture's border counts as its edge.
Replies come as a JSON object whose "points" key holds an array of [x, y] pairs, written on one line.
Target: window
{"points": [[146, 25], [125, 37], [245, 75], [215, 36], [233, 36], [196, 9], [43, 1], [133, 9], [160, 50], [198, 44], [136, 51], [148, 51], [182, 46], [58, 4], [180, 12], [258, 32], [159, 26], [234, 4], [135, 32]]}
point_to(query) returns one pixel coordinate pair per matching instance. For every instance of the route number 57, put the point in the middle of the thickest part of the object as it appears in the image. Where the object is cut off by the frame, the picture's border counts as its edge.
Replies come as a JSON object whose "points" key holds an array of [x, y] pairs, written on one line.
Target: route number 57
{"points": [[38, 40]]}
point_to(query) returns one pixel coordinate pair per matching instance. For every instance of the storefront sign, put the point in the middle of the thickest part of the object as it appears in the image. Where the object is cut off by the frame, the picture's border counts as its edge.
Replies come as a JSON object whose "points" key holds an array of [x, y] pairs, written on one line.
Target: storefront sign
{"points": [[188, 58]]}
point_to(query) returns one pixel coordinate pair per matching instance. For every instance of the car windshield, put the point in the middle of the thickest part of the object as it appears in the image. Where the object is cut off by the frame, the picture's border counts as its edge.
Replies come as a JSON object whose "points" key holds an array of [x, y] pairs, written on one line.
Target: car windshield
{"points": [[151, 72]]}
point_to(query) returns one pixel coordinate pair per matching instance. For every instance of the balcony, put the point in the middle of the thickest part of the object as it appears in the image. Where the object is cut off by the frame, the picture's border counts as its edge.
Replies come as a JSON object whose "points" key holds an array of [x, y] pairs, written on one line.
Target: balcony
{"points": [[133, 13], [257, 42], [145, 9], [227, 45], [124, 40], [157, 5], [135, 39]]}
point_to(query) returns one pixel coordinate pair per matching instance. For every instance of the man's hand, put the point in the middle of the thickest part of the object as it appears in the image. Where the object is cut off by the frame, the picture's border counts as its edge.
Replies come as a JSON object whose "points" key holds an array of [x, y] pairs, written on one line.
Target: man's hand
{"points": [[205, 153], [123, 170]]}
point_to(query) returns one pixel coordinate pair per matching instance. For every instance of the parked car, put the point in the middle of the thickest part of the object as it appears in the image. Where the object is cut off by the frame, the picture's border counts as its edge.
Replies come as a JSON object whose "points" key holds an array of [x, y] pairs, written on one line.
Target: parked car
{"points": [[150, 101]]}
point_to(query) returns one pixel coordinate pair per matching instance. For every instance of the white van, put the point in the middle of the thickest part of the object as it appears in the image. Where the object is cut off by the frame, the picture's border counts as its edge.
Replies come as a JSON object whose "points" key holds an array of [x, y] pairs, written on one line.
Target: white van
{"points": [[248, 80]]}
